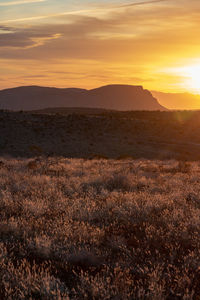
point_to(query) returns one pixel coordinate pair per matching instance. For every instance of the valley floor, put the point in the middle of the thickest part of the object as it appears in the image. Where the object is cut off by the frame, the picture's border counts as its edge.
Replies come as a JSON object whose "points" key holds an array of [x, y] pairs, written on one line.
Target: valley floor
{"points": [[99, 229]]}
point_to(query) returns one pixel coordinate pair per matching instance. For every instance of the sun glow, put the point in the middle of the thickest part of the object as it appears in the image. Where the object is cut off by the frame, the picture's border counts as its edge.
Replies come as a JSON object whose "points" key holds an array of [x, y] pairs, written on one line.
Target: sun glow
{"points": [[193, 80], [188, 77], [191, 76]]}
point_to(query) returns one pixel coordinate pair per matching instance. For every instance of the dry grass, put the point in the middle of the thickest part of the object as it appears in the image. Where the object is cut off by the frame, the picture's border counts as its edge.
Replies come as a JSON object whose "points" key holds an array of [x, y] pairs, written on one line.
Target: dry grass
{"points": [[99, 229]]}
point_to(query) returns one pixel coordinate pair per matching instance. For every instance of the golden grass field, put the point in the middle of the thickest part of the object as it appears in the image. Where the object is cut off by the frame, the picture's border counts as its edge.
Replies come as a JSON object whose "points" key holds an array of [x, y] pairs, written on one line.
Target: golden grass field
{"points": [[99, 229]]}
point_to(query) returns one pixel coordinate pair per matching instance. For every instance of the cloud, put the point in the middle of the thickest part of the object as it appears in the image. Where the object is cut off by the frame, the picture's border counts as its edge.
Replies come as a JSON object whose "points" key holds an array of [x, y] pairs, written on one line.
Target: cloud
{"points": [[95, 10], [142, 3], [4, 28], [130, 44], [11, 3], [35, 76], [125, 35], [48, 16], [23, 38]]}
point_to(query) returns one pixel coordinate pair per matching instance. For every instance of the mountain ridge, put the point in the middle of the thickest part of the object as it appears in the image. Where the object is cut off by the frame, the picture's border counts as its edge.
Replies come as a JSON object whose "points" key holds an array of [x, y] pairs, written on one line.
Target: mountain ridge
{"points": [[114, 97]]}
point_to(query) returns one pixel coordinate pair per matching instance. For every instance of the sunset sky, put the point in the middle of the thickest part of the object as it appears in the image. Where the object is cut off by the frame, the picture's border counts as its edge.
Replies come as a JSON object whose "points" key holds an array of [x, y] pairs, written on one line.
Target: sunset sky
{"points": [[90, 43]]}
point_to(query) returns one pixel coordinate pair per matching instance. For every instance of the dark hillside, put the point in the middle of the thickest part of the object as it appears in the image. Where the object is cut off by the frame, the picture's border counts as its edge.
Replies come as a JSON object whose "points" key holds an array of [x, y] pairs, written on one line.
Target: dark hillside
{"points": [[117, 97], [111, 134]]}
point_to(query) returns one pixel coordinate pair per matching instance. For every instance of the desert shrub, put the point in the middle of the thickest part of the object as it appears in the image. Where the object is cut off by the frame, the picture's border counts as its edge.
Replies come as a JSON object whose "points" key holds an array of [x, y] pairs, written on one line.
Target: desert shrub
{"points": [[99, 229], [183, 167], [118, 182]]}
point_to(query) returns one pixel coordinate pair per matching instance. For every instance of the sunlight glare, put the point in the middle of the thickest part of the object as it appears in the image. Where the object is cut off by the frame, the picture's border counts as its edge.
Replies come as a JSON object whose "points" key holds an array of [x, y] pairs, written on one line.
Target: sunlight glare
{"points": [[192, 74]]}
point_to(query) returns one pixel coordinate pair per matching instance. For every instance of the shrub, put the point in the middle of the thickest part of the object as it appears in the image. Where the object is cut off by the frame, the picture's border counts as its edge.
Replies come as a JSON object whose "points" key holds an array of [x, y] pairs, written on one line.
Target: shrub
{"points": [[99, 229]]}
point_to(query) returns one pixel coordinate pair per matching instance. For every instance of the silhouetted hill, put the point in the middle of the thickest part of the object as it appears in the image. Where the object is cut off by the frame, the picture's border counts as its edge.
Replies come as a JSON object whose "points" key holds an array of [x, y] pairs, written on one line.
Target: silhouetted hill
{"points": [[113, 97], [182, 101], [35, 97]]}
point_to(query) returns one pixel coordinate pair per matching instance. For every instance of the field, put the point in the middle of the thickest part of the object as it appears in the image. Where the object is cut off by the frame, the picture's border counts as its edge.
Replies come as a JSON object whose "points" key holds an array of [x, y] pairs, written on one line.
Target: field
{"points": [[91, 133], [99, 229]]}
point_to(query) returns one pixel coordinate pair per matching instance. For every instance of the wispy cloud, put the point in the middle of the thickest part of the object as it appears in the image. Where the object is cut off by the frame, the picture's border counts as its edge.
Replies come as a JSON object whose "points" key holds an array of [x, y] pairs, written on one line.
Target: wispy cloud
{"points": [[18, 2], [4, 28], [78, 12], [143, 3], [35, 18]]}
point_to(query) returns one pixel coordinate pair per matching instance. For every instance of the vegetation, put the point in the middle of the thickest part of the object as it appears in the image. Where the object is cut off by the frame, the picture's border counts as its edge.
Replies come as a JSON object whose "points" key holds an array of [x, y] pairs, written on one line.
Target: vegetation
{"points": [[99, 229], [93, 133]]}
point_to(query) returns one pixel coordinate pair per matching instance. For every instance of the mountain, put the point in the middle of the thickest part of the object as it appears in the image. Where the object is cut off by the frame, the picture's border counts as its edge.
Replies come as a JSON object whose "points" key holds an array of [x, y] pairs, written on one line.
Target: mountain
{"points": [[114, 97], [176, 101]]}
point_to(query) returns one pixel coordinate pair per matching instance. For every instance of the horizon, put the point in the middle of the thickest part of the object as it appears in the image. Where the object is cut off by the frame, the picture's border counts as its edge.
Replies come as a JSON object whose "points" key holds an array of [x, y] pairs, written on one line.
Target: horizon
{"points": [[92, 43], [109, 84], [183, 101]]}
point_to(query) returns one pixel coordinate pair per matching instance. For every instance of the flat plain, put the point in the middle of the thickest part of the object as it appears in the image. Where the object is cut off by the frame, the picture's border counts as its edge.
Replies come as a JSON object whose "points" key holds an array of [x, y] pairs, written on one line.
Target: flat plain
{"points": [[90, 133]]}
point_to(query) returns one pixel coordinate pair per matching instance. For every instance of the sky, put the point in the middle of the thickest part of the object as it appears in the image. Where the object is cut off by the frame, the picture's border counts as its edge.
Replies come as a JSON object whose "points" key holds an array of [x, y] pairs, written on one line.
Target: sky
{"points": [[88, 43]]}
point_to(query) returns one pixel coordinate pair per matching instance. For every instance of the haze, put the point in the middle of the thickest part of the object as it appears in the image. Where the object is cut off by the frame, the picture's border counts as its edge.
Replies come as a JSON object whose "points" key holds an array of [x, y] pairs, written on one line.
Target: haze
{"points": [[93, 43]]}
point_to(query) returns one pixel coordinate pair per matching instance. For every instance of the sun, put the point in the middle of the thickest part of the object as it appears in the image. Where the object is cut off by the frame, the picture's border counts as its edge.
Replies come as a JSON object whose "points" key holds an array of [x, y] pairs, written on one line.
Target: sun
{"points": [[186, 78], [192, 74]]}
